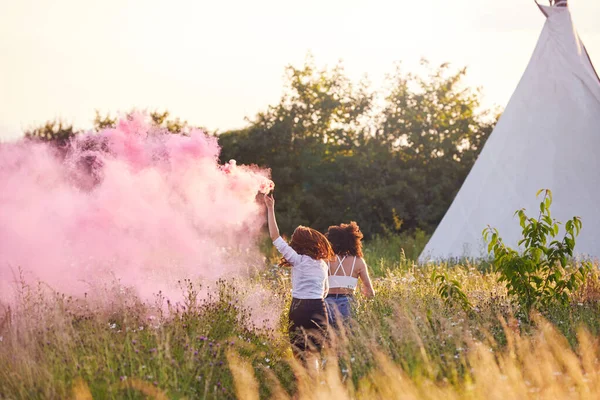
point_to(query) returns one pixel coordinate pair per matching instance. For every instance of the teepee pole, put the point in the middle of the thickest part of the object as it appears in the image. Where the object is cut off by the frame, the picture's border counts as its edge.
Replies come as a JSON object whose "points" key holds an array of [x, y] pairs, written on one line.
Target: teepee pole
{"points": [[541, 8]]}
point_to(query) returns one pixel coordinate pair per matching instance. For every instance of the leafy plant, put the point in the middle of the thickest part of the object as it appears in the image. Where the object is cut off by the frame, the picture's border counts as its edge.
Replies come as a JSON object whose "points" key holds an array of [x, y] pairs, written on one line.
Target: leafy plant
{"points": [[450, 290], [541, 274]]}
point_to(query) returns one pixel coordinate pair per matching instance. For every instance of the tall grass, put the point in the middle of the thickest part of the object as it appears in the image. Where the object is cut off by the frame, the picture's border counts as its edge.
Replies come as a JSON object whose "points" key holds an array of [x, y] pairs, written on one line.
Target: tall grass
{"points": [[405, 343], [541, 366], [391, 251]]}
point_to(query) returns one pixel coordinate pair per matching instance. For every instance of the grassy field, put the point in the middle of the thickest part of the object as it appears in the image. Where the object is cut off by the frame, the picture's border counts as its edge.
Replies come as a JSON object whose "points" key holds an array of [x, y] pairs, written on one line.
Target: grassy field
{"points": [[406, 343]]}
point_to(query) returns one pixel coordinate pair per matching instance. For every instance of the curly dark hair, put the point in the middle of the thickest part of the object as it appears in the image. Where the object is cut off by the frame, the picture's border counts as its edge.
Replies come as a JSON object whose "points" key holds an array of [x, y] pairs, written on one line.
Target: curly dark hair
{"points": [[309, 242], [346, 239]]}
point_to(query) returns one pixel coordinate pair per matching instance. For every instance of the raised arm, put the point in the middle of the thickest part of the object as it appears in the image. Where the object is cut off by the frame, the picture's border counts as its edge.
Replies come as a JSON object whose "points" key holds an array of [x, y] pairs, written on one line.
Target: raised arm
{"points": [[273, 229], [285, 249], [363, 274]]}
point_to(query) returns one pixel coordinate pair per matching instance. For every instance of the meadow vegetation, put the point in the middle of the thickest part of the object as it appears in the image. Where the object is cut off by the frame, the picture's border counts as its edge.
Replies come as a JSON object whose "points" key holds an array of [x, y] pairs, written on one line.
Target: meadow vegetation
{"points": [[409, 341]]}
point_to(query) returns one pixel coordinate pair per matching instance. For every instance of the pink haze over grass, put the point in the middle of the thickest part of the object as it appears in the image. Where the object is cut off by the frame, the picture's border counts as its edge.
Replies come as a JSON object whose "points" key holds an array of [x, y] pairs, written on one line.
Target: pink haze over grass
{"points": [[134, 204]]}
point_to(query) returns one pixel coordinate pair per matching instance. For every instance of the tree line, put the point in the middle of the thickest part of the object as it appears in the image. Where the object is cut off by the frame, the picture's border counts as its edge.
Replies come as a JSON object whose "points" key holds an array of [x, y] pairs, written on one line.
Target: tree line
{"points": [[392, 160]]}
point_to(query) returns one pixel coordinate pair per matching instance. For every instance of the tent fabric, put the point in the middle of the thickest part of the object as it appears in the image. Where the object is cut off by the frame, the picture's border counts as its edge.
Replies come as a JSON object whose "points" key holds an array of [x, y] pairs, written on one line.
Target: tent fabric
{"points": [[547, 138]]}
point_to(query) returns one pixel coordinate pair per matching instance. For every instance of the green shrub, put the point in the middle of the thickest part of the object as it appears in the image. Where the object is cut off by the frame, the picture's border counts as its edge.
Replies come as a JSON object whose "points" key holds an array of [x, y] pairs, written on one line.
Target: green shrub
{"points": [[541, 274]]}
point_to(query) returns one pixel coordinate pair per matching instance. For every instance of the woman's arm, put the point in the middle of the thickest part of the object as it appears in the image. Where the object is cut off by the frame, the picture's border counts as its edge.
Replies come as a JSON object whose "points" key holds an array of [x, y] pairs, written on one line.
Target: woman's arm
{"points": [[273, 229], [367, 286], [286, 251]]}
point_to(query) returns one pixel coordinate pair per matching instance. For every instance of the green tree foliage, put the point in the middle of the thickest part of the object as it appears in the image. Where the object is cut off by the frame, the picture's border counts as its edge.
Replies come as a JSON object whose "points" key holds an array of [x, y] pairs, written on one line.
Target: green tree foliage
{"points": [[159, 119], [336, 154], [434, 128], [541, 275], [339, 151], [60, 132], [52, 131], [310, 141]]}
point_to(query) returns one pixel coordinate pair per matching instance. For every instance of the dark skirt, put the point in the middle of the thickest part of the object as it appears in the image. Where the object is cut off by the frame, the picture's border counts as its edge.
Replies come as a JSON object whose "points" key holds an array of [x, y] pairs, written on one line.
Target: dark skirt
{"points": [[308, 325]]}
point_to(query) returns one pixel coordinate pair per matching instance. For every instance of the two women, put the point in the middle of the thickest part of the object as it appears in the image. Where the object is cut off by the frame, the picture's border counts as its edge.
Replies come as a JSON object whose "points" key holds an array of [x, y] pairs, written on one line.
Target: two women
{"points": [[315, 267]]}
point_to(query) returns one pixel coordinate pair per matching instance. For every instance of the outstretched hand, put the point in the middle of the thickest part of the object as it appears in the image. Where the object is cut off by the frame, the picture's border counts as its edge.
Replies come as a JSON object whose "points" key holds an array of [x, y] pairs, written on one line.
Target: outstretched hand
{"points": [[269, 201]]}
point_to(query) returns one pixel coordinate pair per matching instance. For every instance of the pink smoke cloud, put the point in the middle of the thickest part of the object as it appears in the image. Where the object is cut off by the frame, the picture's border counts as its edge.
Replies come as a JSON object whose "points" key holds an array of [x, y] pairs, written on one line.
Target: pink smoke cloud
{"points": [[134, 203]]}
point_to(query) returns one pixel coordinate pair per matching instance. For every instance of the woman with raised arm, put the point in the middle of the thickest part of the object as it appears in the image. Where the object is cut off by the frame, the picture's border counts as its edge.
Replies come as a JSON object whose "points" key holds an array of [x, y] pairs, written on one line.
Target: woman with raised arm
{"points": [[345, 269], [306, 254]]}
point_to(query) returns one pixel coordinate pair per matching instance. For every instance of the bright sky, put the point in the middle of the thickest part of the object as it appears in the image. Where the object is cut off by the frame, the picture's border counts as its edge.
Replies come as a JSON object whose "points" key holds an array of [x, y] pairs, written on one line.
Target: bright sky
{"points": [[215, 63]]}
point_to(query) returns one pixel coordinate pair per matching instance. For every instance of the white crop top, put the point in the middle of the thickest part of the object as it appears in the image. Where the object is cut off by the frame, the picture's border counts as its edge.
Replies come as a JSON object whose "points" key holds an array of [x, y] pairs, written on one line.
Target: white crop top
{"points": [[342, 281]]}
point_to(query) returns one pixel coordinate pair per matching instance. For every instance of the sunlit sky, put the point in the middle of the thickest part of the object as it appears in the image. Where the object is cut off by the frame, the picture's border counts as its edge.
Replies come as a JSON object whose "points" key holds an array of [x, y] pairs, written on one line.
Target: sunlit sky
{"points": [[213, 63]]}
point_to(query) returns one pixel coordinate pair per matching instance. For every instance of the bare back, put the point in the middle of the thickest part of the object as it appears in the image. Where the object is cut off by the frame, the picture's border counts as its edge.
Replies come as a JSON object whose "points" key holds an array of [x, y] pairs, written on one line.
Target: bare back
{"points": [[350, 266]]}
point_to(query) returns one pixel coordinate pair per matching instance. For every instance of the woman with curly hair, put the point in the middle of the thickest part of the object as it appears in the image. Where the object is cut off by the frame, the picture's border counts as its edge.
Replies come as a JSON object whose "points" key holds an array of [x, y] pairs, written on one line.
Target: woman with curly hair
{"points": [[345, 268], [306, 254]]}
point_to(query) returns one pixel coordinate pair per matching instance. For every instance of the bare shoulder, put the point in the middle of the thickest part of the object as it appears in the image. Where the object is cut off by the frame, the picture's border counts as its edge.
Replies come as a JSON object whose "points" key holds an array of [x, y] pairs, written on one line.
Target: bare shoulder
{"points": [[360, 264]]}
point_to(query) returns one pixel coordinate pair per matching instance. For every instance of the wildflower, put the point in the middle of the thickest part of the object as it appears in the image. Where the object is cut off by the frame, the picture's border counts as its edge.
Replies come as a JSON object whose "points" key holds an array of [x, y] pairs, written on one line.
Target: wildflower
{"points": [[267, 360], [112, 326], [123, 378]]}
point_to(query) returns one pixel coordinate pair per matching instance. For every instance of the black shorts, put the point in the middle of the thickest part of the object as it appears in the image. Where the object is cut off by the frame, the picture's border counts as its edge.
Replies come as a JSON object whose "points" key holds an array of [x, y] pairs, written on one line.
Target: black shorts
{"points": [[308, 324]]}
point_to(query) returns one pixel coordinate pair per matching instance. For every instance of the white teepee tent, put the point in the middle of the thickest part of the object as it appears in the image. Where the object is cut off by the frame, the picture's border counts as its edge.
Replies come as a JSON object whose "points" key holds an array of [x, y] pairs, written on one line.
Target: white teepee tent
{"points": [[547, 137]]}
